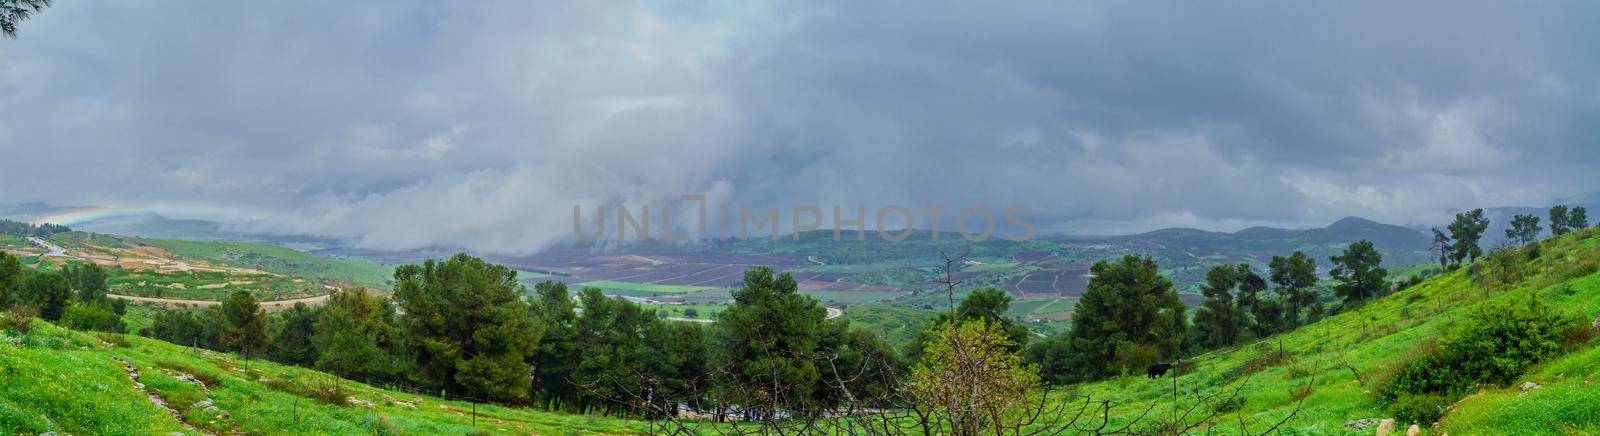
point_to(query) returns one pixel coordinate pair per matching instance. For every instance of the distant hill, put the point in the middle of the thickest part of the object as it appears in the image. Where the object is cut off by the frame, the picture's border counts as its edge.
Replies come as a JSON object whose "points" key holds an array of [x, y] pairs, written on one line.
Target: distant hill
{"points": [[1182, 248]]}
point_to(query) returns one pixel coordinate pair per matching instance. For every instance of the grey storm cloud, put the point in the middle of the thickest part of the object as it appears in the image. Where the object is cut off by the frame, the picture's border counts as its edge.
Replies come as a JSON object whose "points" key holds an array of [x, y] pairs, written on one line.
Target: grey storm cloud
{"points": [[481, 124]]}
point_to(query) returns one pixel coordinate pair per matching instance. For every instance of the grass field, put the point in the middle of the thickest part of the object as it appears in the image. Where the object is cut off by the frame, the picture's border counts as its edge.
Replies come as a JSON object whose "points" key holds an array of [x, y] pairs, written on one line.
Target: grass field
{"points": [[702, 311], [56, 380], [641, 287], [1379, 336], [852, 297], [1026, 307]]}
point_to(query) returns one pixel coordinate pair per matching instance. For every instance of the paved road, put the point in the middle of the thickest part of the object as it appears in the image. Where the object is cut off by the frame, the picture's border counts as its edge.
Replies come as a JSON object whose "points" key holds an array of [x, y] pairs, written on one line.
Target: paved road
{"points": [[52, 249]]}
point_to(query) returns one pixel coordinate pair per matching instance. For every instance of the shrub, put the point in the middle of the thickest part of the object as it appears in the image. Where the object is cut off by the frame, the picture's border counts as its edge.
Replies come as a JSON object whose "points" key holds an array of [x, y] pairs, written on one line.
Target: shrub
{"points": [[1300, 393], [330, 391], [17, 318], [1229, 405], [1264, 360], [1419, 408], [326, 390], [1494, 345], [91, 317], [116, 340]]}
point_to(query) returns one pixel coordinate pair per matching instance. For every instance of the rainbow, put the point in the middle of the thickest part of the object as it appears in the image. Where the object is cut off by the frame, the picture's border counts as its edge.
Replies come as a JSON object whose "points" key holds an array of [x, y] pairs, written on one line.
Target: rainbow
{"points": [[84, 215]]}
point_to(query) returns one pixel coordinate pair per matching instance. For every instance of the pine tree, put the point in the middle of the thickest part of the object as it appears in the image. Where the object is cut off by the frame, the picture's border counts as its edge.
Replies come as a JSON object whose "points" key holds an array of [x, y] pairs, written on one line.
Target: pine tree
{"points": [[47, 291], [1467, 230], [245, 325], [1294, 275], [468, 326], [1128, 317], [1524, 229], [764, 345], [356, 336], [1215, 323], [610, 342], [1558, 220], [88, 280], [291, 335], [1360, 272], [10, 278], [556, 356], [1266, 314]]}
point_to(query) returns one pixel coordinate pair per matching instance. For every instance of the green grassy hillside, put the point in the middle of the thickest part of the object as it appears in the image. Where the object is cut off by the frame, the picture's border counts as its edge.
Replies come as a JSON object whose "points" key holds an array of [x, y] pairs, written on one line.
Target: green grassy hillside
{"points": [[54, 379], [280, 260], [1323, 359]]}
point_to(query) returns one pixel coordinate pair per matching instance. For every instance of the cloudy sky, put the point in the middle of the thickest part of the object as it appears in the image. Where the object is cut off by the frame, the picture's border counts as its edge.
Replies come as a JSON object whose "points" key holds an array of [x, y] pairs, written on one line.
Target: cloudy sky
{"points": [[481, 124]]}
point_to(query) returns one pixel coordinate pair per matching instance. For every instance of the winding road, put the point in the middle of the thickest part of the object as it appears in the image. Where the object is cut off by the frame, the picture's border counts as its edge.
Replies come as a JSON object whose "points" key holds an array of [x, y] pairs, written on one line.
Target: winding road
{"points": [[52, 250]]}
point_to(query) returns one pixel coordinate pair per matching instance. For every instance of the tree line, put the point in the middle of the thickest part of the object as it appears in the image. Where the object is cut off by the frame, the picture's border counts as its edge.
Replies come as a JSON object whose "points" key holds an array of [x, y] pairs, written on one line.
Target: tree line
{"points": [[74, 296], [22, 229], [465, 327]]}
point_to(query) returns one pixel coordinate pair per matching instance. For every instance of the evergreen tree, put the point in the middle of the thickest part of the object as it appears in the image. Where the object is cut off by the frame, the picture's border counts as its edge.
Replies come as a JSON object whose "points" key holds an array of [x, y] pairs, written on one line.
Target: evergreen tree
{"points": [[1054, 358], [1266, 314], [356, 336], [291, 335], [88, 280], [47, 291], [245, 324], [862, 363], [764, 346], [1558, 220], [176, 326], [468, 326], [1360, 272], [1578, 219], [1294, 277], [556, 356], [1467, 229], [1524, 229], [675, 364], [1215, 323], [15, 11], [10, 278], [1128, 317], [610, 343]]}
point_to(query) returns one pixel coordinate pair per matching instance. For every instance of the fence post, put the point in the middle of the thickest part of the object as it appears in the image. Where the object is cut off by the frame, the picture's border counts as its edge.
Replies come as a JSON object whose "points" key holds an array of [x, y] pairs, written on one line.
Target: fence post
{"points": [[474, 414]]}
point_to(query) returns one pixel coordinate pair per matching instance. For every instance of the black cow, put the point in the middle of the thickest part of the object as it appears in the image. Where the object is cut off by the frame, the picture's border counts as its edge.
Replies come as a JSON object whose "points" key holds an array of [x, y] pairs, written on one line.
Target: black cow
{"points": [[1157, 370]]}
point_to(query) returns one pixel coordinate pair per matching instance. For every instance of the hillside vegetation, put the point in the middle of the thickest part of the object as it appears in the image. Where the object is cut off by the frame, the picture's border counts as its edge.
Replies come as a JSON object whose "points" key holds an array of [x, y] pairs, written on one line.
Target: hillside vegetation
{"points": [[1338, 365], [54, 379]]}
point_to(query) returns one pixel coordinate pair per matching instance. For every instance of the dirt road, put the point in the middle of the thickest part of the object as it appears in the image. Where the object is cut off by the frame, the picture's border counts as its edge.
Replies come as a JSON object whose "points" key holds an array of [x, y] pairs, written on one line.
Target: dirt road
{"points": [[268, 305]]}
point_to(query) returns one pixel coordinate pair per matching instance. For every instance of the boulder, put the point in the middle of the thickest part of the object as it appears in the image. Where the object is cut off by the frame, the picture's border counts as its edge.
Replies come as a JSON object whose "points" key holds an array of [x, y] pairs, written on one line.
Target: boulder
{"points": [[1361, 424], [1414, 430], [189, 378], [1386, 427], [1527, 386]]}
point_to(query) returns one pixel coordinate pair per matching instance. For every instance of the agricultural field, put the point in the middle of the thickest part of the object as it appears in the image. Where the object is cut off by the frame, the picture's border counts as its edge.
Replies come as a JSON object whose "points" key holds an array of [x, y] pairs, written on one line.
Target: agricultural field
{"points": [[651, 288], [281, 260], [144, 269]]}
